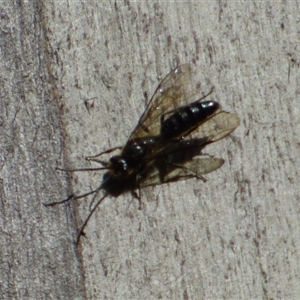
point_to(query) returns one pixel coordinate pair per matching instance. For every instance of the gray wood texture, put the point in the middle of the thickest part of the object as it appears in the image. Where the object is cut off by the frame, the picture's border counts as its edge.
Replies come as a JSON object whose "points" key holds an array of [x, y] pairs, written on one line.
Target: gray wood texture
{"points": [[234, 237]]}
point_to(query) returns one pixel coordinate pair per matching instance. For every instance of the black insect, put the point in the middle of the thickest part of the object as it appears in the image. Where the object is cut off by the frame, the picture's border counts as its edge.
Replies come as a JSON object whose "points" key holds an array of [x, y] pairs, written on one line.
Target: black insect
{"points": [[163, 145]]}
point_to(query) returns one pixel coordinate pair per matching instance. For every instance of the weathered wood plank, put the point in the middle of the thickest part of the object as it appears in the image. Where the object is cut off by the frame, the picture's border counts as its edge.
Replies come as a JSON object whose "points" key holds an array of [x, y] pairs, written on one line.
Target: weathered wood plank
{"points": [[235, 236]]}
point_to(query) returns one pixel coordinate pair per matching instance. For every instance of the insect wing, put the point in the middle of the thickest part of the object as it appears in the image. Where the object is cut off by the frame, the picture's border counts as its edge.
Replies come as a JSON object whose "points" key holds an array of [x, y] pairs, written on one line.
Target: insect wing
{"points": [[173, 164], [169, 95], [191, 169], [195, 168], [217, 127]]}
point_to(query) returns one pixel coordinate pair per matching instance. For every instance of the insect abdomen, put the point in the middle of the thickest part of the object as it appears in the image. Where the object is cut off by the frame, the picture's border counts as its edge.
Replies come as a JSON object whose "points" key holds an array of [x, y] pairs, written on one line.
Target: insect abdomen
{"points": [[187, 117]]}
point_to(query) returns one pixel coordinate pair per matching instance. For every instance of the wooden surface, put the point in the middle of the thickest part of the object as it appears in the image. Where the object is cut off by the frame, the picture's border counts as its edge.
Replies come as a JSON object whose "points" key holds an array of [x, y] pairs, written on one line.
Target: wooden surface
{"points": [[234, 237]]}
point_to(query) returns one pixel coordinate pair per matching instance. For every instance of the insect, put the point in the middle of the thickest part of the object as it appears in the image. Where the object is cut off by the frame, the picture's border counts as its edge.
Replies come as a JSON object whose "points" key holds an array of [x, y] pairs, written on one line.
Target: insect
{"points": [[166, 144]]}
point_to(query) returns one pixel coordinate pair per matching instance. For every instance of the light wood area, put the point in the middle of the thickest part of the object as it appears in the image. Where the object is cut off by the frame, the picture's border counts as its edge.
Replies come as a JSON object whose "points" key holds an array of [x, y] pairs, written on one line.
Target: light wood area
{"points": [[237, 236]]}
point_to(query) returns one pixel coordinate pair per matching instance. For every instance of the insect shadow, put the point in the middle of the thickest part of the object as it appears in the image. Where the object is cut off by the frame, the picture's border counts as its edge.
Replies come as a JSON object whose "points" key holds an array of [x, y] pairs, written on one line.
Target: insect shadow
{"points": [[165, 145]]}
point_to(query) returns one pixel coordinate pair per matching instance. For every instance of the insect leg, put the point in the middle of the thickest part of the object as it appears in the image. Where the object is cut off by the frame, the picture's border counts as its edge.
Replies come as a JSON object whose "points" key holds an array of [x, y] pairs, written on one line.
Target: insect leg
{"points": [[137, 194], [81, 231], [72, 197], [103, 163], [104, 152]]}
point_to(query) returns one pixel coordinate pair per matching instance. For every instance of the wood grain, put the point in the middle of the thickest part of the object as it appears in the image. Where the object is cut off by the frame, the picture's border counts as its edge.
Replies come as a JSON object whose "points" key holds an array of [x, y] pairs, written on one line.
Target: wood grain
{"points": [[235, 236]]}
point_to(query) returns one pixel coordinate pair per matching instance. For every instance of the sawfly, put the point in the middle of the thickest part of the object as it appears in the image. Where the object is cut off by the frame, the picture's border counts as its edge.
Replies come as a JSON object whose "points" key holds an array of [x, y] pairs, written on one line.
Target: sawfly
{"points": [[166, 144]]}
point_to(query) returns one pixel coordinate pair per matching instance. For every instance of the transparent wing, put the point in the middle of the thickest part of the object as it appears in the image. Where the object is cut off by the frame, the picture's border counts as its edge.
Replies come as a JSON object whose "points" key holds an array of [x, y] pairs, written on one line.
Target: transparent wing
{"points": [[192, 169], [178, 162], [215, 128], [169, 95]]}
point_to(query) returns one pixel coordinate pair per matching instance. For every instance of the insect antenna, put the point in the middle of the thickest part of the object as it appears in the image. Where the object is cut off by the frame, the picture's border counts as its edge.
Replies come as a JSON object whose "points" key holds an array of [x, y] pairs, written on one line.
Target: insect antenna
{"points": [[73, 197], [82, 169]]}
